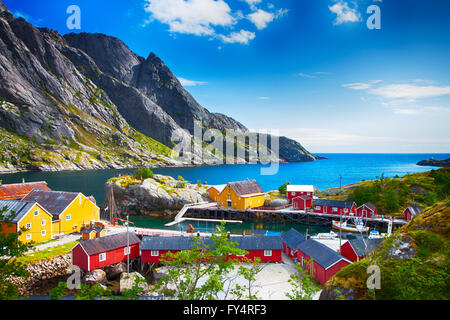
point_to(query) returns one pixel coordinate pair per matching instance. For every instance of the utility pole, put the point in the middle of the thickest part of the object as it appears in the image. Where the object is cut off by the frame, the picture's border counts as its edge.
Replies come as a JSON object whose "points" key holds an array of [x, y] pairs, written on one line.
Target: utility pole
{"points": [[340, 218], [128, 247]]}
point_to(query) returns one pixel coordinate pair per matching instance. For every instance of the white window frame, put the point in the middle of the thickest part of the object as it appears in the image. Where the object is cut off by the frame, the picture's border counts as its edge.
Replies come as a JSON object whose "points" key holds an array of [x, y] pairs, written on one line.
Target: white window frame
{"points": [[102, 257], [43, 232], [345, 210], [28, 236], [126, 251], [154, 253], [318, 207], [267, 253], [28, 225], [36, 213], [68, 217], [43, 223], [334, 209]]}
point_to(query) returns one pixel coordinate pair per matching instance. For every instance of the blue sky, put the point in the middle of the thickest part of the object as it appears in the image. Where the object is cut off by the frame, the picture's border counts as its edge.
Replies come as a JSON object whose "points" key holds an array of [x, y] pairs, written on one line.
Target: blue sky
{"points": [[310, 69]]}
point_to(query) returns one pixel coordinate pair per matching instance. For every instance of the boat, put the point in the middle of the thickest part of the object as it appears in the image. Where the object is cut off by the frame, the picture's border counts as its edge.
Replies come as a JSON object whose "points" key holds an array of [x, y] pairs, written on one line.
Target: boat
{"points": [[345, 227], [330, 235]]}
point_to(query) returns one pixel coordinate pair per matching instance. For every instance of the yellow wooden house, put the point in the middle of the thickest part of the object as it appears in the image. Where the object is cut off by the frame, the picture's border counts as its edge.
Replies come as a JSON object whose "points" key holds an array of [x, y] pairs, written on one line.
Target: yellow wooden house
{"points": [[241, 195], [213, 192], [29, 215], [70, 210]]}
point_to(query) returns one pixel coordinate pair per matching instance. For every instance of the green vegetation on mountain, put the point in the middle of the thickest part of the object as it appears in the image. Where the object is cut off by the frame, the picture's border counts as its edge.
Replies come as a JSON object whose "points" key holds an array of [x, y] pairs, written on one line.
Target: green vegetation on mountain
{"points": [[414, 263], [393, 195]]}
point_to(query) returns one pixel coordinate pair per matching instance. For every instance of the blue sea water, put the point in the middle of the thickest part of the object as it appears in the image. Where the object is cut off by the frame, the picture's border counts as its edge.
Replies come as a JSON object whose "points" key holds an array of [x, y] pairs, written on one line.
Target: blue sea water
{"points": [[323, 174]]}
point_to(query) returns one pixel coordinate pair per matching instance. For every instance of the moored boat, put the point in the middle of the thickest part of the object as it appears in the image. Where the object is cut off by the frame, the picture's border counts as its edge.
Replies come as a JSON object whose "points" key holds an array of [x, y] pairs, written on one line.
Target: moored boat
{"points": [[345, 227]]}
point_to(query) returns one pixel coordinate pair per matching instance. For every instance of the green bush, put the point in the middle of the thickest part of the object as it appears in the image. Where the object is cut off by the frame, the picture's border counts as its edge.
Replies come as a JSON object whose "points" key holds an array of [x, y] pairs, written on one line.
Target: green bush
{"points": [[143, 173]]}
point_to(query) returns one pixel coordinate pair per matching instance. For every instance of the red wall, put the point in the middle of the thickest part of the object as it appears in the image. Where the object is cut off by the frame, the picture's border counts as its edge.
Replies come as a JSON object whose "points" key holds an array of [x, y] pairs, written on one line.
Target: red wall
{"points": [[407, 214], [276, 256], [298, 203], [80, 258], [320, 274], [359, 212], [329, 210], [291, 195], [348, 252]]}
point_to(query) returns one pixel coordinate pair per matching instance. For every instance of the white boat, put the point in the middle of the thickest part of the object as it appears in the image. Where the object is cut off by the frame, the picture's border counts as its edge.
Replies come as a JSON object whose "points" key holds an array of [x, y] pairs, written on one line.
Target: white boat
{"points": [[330, 235], [345, 227]]}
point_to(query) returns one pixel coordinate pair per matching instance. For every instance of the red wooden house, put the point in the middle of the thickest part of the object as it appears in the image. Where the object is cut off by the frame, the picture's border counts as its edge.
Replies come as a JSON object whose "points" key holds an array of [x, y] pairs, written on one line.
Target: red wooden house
{"points": [[367, 210], [337, 207], [326, 261], [302, 202], [355, 249], [411, 212], [102, 252], [267, 249], [17, 191], [294, 191], [291, 239]]}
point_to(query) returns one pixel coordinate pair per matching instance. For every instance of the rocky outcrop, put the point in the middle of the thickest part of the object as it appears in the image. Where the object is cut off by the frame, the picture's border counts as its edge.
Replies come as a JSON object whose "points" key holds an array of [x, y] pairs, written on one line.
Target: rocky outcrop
{"points": [[435, 163], [157, 194], [130, 280]]}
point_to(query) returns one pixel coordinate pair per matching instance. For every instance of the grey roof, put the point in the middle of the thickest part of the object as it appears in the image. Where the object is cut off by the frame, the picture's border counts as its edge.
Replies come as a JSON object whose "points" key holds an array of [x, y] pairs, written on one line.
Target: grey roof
{"points": [[333, 203], [323, 255], [415, 211], [15, 209], [186, 243], [292, 238], [369, 205], [108, 243], [54, 202], [360, 248], [246, 187]]}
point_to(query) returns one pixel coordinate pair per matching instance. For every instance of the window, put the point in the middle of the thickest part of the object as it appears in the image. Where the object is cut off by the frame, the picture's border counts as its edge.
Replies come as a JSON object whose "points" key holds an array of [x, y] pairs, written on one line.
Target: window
{"points": [[28, 226], [317, 207], [29, 236], [154, 253], [68, 217], [43, 232], [36, 213], [126, 251], [345, 210], [102, 257], [43, 222], [335, 210], [267, 253]]}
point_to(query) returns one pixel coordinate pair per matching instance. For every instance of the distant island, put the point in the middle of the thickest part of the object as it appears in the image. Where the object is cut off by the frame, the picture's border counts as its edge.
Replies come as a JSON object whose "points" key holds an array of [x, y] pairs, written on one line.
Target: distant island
{"points": [[434, 163]]}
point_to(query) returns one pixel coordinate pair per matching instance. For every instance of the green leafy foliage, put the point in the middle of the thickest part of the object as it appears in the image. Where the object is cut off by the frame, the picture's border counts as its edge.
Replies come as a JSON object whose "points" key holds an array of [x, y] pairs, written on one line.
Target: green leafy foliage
{"points": [[143, 173], [303, 282]]}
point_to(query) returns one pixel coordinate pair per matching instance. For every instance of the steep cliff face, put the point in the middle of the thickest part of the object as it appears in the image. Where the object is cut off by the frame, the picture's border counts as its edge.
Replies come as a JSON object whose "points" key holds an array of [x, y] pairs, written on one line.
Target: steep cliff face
{"points": [[86, 101]]}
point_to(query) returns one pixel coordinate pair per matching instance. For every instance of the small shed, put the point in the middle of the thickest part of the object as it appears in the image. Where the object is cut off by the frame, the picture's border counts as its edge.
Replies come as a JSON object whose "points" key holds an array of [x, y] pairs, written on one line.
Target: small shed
{"points": [[291, 239], [302, 202], [326, 261], [294, 191], [355, 249], [92, 233], [367, 210], [105, 251], [411, 212]]}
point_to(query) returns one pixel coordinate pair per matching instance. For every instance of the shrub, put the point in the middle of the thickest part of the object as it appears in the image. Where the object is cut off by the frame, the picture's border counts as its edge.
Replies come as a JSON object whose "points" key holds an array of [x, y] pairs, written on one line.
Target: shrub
{"points": [[143, 173]]}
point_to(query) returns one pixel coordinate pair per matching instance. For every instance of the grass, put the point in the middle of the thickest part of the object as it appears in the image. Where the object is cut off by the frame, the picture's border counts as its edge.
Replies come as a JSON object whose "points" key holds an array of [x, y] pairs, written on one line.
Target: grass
{"points": [[47, 254]]}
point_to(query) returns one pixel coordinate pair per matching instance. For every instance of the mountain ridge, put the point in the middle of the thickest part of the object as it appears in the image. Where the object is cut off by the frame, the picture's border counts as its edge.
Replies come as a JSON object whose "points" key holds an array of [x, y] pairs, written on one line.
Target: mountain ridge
{"points": [[86, 101]]}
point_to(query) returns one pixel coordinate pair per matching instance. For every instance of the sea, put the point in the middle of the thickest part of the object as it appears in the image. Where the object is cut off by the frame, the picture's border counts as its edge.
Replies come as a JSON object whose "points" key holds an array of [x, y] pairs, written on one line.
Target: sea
{"points": [[336, 169]]}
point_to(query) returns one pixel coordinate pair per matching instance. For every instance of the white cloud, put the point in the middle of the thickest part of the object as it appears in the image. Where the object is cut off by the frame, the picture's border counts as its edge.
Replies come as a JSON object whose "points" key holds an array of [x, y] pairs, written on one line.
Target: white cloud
{"points": [[344, 13], [408, 91], [253, 3], [190, 83], [261, 18], [264, 98], [361, 85], [305, 75], [242, 37], [197, 17]]}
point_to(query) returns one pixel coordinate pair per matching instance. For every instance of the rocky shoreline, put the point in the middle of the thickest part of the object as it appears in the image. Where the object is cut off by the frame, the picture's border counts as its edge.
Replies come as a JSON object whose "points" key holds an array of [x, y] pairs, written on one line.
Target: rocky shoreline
{"points": [[434, 163]]}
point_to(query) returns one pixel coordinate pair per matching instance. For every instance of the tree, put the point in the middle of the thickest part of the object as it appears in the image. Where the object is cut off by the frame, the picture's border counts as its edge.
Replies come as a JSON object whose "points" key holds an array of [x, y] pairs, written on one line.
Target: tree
{"points": [[203, 273], [283, 188], [143, 173], [11, 248], [303, 282]]}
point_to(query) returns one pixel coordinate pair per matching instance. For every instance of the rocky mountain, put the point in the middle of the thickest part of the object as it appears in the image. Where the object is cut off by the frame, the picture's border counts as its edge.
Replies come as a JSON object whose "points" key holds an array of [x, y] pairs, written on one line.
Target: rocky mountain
{"points": [[86, 101], [434, 163]]}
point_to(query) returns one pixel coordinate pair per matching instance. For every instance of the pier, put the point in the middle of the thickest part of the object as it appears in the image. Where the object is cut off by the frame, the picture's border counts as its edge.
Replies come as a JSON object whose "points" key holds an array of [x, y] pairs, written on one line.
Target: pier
{"points": [[212, 212]]}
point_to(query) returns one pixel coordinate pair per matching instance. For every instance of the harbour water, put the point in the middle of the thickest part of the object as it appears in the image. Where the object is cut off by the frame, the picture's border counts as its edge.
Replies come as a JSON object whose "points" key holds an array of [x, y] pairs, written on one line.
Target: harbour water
{"points": [[323, 174]]}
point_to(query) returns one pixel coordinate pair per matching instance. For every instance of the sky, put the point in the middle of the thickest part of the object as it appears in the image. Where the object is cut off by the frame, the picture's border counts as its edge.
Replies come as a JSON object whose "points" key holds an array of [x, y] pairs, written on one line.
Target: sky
{"points": [[311, 70]]}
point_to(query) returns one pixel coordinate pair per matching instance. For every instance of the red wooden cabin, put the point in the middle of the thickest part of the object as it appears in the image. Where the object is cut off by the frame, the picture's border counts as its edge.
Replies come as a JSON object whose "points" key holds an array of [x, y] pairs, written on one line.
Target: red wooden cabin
{"points": [[326, 262], [294, 191], [367, 210], [302, 202], [411, 212], [355, 249], [267, 249], [102, 252], [291, 239], [336, 207]]}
